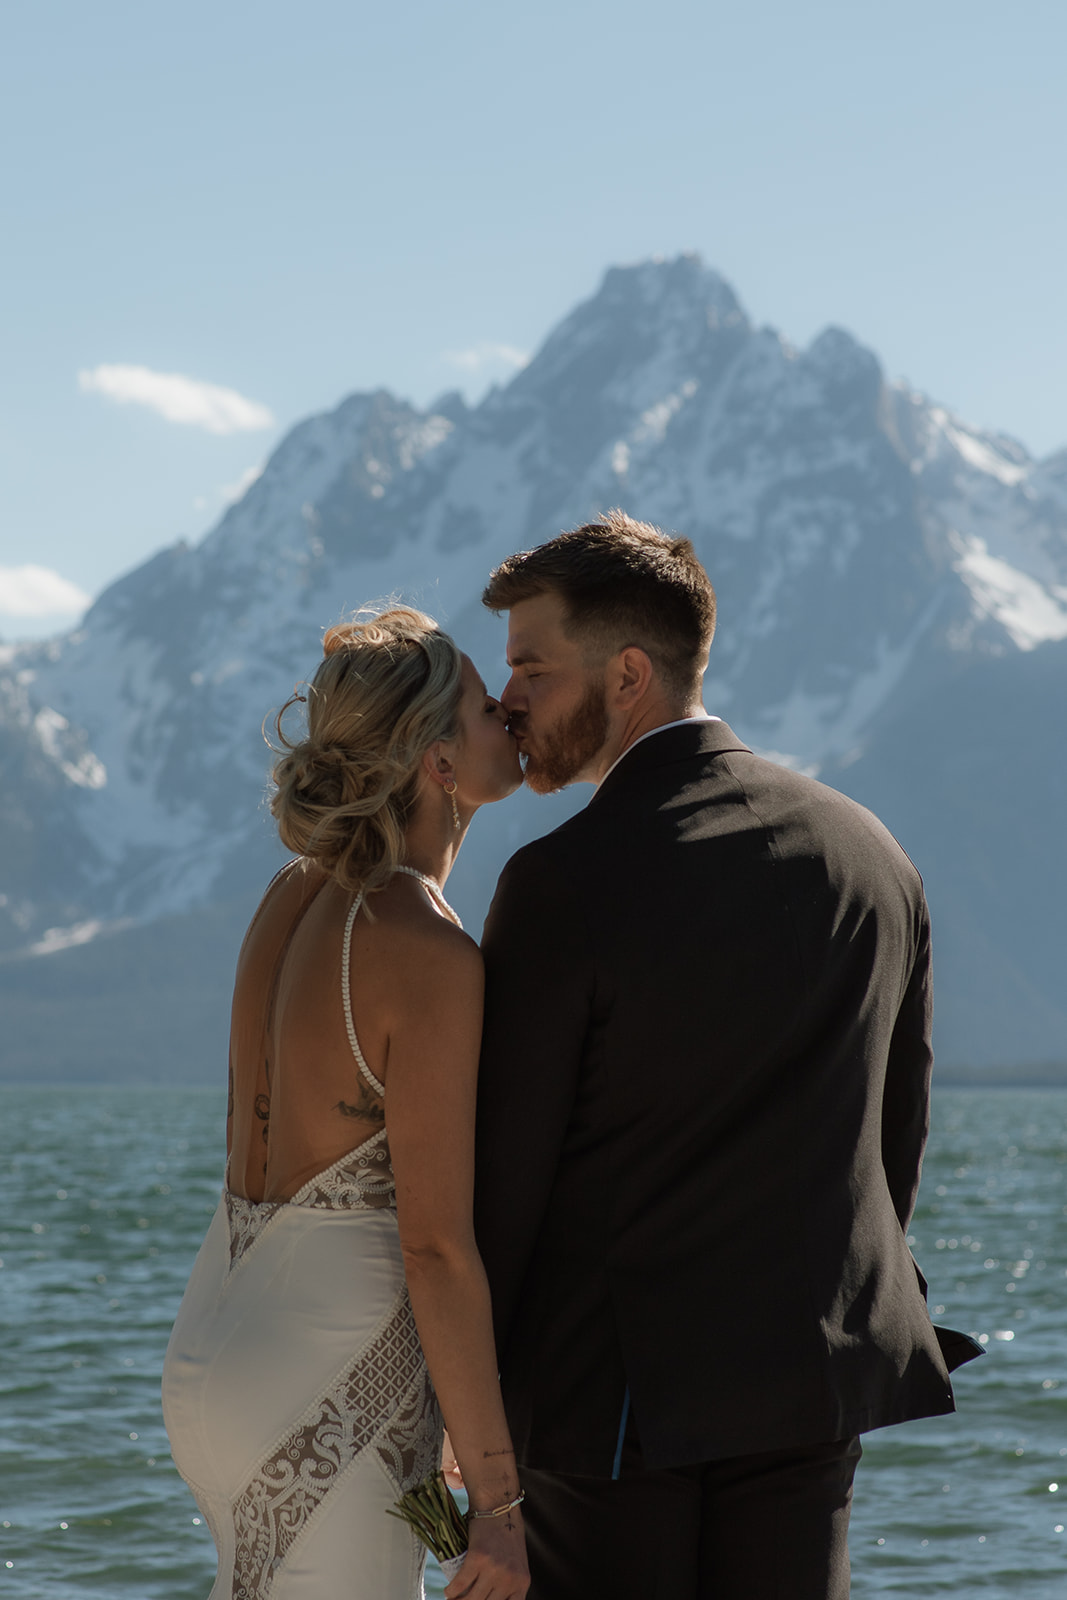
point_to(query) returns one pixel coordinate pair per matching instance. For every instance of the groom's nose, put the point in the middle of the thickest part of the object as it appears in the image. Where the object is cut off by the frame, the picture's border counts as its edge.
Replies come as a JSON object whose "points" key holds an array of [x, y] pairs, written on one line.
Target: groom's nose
{"points": [[509, 696]]}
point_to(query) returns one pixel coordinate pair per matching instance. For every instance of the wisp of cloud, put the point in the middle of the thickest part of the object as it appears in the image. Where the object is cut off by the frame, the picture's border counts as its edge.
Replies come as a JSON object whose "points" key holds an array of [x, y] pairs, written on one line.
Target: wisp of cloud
{"points": [[178, 398], [487, 354], [31, 591]]}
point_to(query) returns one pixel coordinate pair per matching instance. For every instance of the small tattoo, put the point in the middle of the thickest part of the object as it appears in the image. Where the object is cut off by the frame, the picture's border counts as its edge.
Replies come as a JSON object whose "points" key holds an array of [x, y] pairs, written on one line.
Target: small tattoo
{"points": [[261, 1105], [367, 1110], [487, 1453]]}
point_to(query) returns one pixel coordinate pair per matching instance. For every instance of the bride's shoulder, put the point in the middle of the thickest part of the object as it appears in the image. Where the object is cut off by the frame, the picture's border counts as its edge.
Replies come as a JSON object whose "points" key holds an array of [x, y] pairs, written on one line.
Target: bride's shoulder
{"points": [[411, 927], [426, 964]]}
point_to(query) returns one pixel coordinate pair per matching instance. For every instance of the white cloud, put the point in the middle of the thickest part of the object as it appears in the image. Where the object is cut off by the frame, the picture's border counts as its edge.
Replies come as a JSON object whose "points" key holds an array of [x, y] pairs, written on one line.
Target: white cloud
{"points": [[30, 591], [66, 938], [232, 492], [178, 398], [486, 354]]}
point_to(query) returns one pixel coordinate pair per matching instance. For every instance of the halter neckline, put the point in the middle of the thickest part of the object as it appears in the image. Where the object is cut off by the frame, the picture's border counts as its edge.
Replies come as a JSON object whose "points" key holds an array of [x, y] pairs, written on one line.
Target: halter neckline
{"points": [[435, 890]]}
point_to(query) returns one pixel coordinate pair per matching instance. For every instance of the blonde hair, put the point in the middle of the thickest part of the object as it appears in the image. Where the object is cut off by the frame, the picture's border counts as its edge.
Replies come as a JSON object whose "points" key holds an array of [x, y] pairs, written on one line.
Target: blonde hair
{"points": [[387, 689]]}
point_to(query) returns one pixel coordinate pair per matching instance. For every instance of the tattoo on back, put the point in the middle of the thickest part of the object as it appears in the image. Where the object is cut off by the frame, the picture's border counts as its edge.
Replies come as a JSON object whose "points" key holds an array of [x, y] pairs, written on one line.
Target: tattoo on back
{"points": [[261, 1107], [367, 1108], [261, 1104]]}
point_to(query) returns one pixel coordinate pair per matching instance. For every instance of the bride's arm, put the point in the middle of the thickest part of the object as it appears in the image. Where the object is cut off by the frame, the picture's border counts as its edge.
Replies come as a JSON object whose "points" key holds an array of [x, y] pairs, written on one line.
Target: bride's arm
{"points": [[434, 1034]]}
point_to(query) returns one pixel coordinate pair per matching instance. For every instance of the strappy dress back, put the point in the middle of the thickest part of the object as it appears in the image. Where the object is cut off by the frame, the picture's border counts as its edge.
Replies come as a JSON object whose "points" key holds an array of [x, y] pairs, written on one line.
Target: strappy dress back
{"points": [[295, 1391], [360, 1180]]}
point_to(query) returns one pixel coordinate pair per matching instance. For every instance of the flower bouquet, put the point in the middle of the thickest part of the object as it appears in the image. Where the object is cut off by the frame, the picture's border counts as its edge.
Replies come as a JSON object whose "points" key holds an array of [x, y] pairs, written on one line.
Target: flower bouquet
{"points": [[431, 1512]]}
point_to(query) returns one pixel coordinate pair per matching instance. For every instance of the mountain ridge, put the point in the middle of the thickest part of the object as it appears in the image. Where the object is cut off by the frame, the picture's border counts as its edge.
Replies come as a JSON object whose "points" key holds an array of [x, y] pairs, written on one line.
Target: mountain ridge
{"points": [[871, 552]]}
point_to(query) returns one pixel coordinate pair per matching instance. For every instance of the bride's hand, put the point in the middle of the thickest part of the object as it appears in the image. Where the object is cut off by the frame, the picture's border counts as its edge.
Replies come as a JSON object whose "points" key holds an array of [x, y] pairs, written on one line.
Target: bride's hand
{"points": [[495, 1565], [450, 1466]]}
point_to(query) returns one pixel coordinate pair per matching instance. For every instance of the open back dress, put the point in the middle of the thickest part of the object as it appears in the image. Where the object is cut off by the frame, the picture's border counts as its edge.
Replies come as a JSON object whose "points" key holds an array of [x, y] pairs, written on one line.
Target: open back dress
{"points": [[295, 1392]]}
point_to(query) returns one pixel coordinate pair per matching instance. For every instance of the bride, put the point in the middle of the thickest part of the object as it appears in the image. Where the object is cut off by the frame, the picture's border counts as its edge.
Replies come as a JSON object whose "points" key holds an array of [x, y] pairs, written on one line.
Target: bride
{"points": [[338, 1297]]}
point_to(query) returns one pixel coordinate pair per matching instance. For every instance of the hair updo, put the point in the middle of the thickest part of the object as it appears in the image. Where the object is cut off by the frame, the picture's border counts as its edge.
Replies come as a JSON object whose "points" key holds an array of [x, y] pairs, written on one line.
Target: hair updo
{"points": [[387, 688]]}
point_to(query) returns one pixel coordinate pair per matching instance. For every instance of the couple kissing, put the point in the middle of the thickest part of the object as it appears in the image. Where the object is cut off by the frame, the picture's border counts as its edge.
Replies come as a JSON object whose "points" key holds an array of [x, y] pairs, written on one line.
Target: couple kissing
{"points": [[619, 1197]]}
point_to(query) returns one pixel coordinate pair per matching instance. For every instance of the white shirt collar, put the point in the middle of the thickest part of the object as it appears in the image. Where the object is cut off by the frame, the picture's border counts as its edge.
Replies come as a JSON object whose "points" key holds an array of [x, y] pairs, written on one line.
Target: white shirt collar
{"points": [[682, 722]]}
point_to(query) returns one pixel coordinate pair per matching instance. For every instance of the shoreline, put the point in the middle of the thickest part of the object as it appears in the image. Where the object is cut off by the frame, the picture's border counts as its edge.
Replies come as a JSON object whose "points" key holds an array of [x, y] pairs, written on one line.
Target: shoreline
{"points": [[1031, 1075]]}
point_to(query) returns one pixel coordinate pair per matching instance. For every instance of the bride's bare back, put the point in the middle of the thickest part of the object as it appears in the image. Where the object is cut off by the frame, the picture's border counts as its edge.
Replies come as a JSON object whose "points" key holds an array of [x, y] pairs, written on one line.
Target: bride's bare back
{"points": [[298, 1100]]}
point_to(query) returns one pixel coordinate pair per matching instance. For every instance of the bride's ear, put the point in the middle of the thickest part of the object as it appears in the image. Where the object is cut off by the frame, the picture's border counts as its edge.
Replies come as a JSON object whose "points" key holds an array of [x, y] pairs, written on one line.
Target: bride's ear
{"points": [[437, 764]]}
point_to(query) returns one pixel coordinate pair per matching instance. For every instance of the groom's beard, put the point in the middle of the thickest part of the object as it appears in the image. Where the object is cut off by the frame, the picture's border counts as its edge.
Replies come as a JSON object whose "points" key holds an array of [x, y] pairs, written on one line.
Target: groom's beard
{"points": [[563, 751]]}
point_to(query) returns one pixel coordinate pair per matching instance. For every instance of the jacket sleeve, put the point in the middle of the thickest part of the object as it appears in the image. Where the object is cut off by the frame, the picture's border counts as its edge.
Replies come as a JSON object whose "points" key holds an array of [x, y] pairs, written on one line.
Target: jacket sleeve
{"points": [[538, 998], [906, 1097]]}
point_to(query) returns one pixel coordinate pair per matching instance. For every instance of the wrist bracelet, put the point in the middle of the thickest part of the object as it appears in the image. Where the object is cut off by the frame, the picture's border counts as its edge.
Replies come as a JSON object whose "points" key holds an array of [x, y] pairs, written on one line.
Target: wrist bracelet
{"points": [[499, 1511]]}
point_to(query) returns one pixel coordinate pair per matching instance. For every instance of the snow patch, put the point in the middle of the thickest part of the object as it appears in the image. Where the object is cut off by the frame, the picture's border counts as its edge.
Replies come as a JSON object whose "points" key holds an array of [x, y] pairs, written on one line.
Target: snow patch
{"points": [[1028, 612], [86, 770], [978, 453], [421, 439], [821, 724], [655, 421]]}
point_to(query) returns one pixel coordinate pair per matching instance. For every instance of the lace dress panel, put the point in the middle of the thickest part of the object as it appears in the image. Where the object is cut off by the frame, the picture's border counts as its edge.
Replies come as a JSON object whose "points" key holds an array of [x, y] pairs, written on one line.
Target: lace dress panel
{"points": [[383, 1401], [247, 1220], [362, 1180]]}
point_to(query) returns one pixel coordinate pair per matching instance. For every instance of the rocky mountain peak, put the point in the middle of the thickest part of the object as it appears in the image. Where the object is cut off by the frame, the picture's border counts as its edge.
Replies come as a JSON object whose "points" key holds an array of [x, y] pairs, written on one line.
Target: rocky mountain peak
{"points": [[875, 559]]}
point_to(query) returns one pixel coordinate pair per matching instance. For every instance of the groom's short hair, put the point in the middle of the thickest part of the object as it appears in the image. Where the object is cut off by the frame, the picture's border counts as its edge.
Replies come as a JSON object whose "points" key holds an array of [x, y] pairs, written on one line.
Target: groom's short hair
{"points": [[622, 583]]}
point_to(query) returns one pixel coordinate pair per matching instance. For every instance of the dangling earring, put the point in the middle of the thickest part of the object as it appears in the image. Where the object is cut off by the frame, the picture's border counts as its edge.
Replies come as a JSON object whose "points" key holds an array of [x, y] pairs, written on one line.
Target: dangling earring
{"points": [[450, 790]]}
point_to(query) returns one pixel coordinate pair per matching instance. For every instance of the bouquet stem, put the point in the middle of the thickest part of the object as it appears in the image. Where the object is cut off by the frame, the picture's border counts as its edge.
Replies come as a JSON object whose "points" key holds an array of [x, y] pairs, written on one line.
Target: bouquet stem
{"points": [[430, 1511]]}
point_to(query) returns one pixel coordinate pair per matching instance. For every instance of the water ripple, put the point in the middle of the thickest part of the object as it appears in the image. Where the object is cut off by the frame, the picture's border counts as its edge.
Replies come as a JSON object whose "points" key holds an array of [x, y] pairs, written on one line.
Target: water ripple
{"points": [[106, 1196]]}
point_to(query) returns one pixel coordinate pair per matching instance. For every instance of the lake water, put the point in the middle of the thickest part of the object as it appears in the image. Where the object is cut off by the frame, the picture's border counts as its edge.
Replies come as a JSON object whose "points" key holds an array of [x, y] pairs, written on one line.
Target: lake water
{"points": [[105, 1195]]}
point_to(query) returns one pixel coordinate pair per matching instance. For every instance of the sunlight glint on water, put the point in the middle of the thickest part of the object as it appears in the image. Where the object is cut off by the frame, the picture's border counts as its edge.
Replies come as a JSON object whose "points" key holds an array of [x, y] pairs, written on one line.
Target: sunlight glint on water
{"points": [[107, 1193]]}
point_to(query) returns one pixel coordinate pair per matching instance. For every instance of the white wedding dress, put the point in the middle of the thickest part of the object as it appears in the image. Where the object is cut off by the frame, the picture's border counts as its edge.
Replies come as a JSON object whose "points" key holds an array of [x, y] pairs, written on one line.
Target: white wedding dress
{"points": [[295, 1392]]}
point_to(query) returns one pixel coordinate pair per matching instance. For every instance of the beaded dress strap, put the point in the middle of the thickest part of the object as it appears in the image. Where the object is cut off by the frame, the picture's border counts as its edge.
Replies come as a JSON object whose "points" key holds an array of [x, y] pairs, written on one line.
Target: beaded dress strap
{"points": [[346, 951], [434, 889], [435, 892]]}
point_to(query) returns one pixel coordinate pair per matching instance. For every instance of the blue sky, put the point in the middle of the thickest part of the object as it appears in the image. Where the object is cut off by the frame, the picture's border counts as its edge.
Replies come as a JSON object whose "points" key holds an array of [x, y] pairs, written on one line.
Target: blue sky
{"points": [[287, 202]]}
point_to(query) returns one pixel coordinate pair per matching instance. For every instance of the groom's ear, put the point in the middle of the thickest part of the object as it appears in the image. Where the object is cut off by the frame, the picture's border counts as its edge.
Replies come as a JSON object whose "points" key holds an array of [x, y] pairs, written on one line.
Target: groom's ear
{"points": [[630, 676]]}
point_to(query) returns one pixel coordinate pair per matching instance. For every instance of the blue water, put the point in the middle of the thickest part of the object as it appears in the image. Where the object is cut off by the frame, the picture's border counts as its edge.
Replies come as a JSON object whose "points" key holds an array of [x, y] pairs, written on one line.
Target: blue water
{"points": [[106, 1195]]}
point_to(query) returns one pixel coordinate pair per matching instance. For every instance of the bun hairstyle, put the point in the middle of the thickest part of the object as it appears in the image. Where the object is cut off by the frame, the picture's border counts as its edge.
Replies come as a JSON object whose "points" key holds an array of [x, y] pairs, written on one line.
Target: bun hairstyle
{"points": [[387, 688]]}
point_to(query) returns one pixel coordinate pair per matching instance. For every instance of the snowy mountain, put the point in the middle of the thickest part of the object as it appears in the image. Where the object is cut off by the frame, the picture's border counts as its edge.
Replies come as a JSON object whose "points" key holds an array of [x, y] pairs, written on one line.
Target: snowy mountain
{"points": [[893, 617]]}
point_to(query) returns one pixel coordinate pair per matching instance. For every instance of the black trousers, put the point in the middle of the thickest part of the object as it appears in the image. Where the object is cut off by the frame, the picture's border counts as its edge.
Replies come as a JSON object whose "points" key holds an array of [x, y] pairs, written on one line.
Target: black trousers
{"points": [[760, 1527]]}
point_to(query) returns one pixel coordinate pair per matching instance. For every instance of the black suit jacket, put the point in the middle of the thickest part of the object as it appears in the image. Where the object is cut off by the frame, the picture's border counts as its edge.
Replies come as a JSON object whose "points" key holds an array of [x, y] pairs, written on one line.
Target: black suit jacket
{"points": [[702, 1110]]}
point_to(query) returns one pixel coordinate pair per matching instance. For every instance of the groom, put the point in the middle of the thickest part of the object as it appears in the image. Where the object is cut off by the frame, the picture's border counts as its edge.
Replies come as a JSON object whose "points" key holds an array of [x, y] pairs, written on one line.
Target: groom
{"points": [[702, 1109]]}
